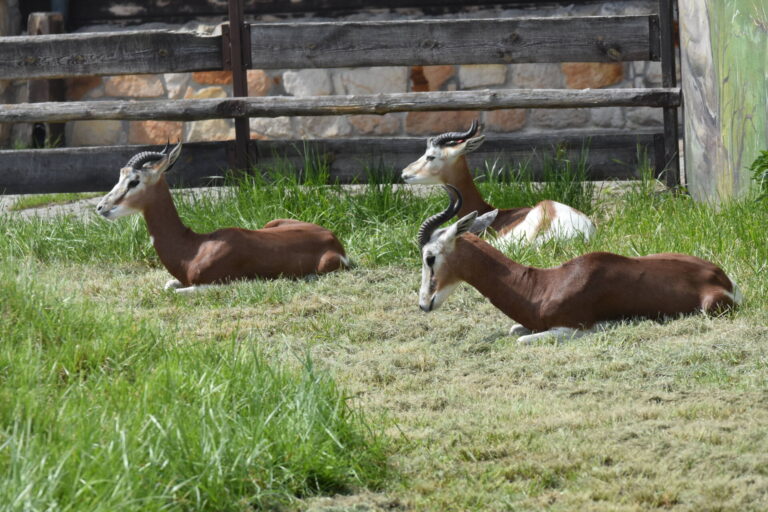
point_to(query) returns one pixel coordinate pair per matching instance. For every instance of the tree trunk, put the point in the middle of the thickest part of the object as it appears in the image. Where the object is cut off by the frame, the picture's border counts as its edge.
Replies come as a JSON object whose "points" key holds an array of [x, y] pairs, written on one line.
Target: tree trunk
{"points": [[724, 50]]}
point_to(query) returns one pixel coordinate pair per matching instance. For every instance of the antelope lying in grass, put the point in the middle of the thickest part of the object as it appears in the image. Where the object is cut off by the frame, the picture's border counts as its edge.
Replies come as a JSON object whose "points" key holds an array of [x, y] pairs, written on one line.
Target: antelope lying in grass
{"points": [[568, 300], [284, 247], [445, 163]]}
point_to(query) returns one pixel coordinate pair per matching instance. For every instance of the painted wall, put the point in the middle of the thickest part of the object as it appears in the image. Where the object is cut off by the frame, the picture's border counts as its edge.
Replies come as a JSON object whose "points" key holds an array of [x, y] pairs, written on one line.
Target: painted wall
{"points": [[724, 53]]}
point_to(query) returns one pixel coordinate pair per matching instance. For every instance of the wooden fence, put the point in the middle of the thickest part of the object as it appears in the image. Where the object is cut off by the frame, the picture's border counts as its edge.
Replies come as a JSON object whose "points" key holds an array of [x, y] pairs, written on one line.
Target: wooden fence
{"points": [[336, 44]]}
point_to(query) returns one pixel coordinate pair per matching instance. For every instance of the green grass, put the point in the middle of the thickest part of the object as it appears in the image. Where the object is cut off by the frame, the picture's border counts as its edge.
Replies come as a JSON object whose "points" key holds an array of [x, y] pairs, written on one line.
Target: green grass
{"points": [[105, 411], [269, 394], [38, 200]]}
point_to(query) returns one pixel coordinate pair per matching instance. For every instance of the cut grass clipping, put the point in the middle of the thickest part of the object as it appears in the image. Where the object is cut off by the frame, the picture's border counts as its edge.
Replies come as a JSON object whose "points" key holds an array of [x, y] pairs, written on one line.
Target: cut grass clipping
{"points": [[101, 412]]}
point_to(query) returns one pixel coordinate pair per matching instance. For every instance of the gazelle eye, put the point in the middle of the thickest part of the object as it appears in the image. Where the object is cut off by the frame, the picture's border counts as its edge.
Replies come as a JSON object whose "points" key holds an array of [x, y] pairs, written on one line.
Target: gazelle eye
{"points": [[430, 158], [430, 260], [133, 183]]}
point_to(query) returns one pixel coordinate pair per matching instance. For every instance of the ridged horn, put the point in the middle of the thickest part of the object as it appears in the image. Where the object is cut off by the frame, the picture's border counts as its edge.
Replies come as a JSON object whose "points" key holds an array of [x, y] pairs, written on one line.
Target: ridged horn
{"points": [[453, 136], [432, 223], [138, 160]]}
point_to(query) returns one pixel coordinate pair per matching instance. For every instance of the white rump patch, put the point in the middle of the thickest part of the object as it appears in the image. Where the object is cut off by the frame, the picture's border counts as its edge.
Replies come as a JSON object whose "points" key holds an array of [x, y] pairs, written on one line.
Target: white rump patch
{"points": [[567, 223], [736, 296]]}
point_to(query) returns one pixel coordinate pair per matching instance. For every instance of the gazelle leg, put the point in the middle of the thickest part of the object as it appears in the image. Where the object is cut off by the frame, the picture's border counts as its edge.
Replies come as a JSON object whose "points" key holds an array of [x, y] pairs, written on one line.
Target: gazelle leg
{"points": [[192, 289], [519, 330], [172, 284], [176, 286], [558, 334]]}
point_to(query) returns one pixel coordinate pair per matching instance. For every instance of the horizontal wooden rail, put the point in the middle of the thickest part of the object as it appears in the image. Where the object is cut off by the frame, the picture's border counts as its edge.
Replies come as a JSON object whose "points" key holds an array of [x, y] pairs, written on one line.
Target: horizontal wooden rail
{"points": [[275, 106], [108, 53], [88, 12], [337, 44], [609, 155], [473, 41]]}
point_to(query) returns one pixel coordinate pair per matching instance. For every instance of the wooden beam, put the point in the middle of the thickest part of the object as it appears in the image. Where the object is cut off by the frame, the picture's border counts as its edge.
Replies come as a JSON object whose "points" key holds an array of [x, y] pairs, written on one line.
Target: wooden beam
{"points": [[610, 155], [108, 53], [275, 106], [238, 41], [429, 42], [89, 12], [342, 44], [669, 79]]}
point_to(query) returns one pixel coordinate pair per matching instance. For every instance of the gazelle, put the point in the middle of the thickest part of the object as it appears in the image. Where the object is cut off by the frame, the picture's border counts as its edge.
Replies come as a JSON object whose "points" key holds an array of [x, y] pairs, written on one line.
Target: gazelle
{"points": [[445, 163], [568, 300], [284, 247]]}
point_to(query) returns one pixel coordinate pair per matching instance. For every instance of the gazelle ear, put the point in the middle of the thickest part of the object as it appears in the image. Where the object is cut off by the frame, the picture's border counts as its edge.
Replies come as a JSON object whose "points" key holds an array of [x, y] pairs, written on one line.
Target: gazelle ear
{"points": [[461, 227], [165, 163], [482, 222], [472, 144]]}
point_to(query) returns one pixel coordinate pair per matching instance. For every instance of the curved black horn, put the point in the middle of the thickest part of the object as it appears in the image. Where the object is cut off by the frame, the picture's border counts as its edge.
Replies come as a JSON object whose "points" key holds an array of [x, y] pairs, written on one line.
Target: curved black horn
{"points": [[453, 136], [429, 225], [138, 160]]}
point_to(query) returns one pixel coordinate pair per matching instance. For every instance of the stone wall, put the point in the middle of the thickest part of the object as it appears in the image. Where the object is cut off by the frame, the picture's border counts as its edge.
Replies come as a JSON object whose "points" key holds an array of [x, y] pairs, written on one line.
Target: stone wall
{"points": [[315, 82]]}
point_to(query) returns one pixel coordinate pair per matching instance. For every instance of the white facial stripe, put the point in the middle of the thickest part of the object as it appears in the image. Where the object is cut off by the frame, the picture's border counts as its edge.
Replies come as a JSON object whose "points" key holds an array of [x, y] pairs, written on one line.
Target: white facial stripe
{"points": [[111, 206], [433, 293], [443, 293], [117, 211], [429, 169]]}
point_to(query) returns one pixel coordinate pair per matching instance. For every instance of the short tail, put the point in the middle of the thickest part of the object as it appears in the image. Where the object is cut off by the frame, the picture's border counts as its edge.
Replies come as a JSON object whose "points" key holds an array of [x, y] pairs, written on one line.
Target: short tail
{"points": [[736, 295], [347, 263]]}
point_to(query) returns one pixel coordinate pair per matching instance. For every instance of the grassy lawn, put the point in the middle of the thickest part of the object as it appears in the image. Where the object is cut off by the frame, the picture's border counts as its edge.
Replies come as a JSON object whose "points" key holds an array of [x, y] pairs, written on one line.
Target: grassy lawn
{"points": [[339, 394], [39, 200]]}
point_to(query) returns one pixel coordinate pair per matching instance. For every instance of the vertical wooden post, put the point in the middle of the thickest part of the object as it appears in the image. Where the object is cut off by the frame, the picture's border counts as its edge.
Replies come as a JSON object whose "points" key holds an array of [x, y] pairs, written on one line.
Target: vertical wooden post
{"points": [[46, 134], [236, 35], [669, 79], [724, 57], [10, 25]]}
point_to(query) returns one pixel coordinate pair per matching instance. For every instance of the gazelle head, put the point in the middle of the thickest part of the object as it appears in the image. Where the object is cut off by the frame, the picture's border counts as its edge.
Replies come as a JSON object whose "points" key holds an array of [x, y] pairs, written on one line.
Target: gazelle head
{"points": [[442, 153], [140, 174], [438, 276]]}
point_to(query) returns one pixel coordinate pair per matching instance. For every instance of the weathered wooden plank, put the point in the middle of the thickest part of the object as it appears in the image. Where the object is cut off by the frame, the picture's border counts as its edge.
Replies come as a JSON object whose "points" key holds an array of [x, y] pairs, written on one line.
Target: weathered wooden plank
{"points": [[428, 42], [85, 12], [610, 155], [342, 44], [97, 168], [108, 53], [275, 106]]}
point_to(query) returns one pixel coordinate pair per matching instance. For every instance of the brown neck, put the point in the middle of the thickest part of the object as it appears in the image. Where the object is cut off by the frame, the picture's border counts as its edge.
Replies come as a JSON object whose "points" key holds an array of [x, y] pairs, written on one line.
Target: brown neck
{"points": [[461, 178], [174, 242], [510, 286]]}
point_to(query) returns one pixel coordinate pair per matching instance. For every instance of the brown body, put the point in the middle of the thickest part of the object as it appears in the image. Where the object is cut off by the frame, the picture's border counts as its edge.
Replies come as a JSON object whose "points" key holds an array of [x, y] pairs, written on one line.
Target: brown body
{"points": [[284, 247], [567, 300], [592, 288]]}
